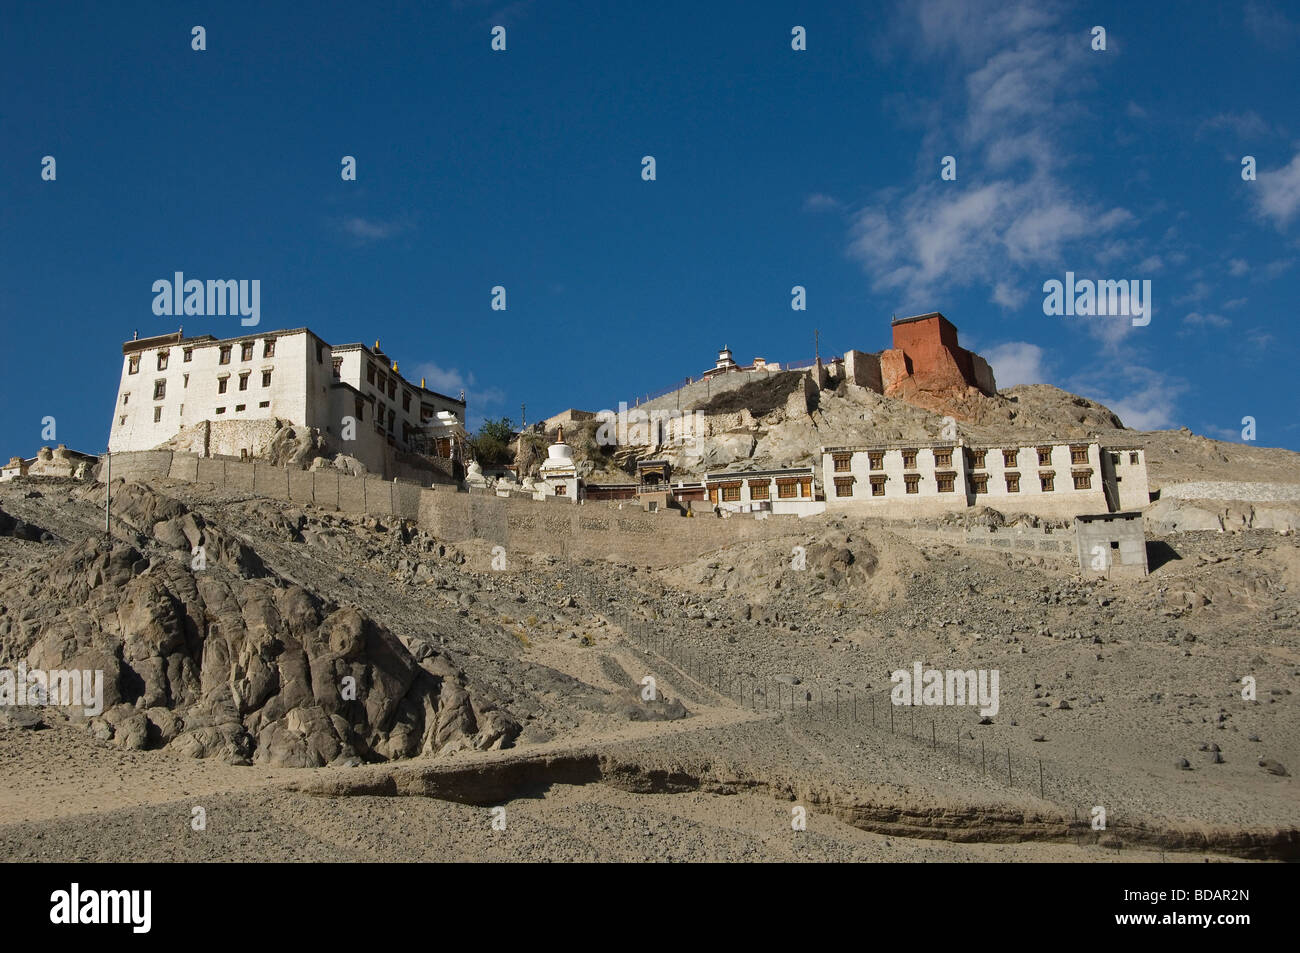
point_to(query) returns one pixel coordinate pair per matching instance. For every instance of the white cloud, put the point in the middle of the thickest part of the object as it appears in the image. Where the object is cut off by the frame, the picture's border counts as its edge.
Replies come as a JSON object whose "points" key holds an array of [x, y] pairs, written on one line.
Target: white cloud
{"points": [[1017, 362], [1238, 267], [1151, 264], [1143, 398], [370, 230], [820, 202], [451, 382], [1196, 319], [1008, 295], [1234, 303], [1277, 193], [1020, 75]]}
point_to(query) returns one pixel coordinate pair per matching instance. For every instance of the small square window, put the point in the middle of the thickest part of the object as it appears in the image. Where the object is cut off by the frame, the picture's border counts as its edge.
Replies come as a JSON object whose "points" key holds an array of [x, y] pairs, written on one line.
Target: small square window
{"points": [[221, 410], [239, 407], [1009, 457], [878, 486], [876, 460], [268, 347], [246, 351], [942, 458], [157, 414], [264, 403], [225, 354], [912, 481], [909, 459], [187, 355], [844, 486], [1047, 481], [162, 359], [133, 364], [1133, 458], [1044, 456], [159, 390], [1013, 482]]}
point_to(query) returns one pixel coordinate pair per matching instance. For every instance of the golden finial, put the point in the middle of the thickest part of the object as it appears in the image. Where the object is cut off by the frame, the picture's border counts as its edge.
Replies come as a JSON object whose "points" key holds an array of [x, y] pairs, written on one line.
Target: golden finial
{"points": [[559, 437]]}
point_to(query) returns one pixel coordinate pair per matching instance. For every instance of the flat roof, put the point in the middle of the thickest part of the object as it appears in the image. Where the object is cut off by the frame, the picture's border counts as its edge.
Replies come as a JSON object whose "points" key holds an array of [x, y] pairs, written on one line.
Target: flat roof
{"points": [[920, 317], [752, 474]]}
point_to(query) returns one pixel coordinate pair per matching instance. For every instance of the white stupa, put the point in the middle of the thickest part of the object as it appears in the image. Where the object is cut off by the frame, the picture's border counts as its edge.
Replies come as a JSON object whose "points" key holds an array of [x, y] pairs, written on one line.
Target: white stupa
{"points": [[558, 470]]}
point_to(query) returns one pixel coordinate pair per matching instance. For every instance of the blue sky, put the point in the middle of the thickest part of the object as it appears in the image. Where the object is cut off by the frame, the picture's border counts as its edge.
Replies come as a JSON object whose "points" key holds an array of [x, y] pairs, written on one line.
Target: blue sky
{"points": [[775, 168]]}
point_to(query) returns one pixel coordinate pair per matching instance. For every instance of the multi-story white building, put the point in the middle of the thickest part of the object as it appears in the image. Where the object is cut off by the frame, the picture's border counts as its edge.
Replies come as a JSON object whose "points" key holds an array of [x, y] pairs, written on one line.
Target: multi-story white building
{"points": [[225, 396], [1045, 478]]}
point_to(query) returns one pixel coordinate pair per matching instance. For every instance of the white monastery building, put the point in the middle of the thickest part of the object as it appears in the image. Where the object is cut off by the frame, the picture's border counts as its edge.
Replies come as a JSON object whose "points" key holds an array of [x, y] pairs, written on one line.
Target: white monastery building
{"points": [[1046, 478], [229, 397]]}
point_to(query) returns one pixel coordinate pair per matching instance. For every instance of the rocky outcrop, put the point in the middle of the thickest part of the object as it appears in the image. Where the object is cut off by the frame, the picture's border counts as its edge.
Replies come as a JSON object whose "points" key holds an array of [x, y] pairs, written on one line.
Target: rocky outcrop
{"points": [[220, 657]]}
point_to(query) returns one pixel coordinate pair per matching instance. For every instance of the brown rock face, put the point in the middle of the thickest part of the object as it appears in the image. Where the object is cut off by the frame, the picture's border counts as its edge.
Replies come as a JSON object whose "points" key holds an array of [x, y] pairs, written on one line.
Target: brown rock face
{"points": [[235, 662]]}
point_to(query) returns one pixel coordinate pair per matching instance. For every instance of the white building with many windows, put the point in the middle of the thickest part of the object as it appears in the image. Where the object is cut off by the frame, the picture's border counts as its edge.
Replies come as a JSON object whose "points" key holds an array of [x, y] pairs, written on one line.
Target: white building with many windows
{"points": [[230, 397], [1045, 478]]}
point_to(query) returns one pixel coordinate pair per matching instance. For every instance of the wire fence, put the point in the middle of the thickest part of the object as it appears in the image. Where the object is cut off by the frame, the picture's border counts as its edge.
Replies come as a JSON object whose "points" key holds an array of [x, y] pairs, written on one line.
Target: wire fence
{"points": [[931, 728]]}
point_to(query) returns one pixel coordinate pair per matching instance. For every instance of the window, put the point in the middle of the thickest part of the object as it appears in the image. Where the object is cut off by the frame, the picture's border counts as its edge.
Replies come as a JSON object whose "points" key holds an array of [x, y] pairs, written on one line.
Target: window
{"points": [[730, 492], [1044, 456], [360, 410], [221, 384], [162, 359], [1078, 455], [942, 458], [912, 481], [263, 403], [185, 380], [843, 462], [1114, 459], [980, 481], [392, 414], [909, 459], [1133, 458], [370, 373], [320, 353], [243, 381], [787, 489], [843, 486], [221, 410], [878, 485], [133, 364], [947, 481], [225, 354], [268, 349], [1047, 480], [187, 355], [876, 460], [122, 420], [977, 459], [159, 390], [157, 414], [246, 351], [806, 483], [406, 401], [1013, 482], [1009, 456], [239, 407], [1082, 479], [759, 489], [392, 388], [383, 383], [338, 367], [266, 378], [126, 398]]}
